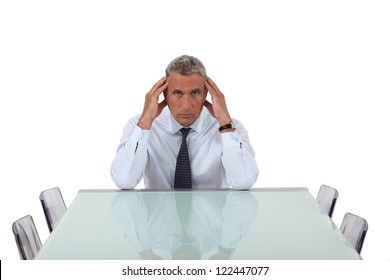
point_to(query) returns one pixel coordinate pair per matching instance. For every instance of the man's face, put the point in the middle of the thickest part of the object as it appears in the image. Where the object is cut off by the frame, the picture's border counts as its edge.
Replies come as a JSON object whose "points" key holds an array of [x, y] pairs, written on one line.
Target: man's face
{"points": [[185, 96]]}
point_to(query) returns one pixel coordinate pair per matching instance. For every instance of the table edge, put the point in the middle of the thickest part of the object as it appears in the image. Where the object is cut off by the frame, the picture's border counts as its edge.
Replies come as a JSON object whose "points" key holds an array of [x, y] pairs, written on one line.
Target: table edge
{"points": [[297, 189]]}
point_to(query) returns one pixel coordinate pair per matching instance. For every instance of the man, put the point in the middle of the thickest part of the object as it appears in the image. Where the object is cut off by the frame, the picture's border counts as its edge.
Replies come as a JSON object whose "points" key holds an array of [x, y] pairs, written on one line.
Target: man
{"points": [[213, 148]]}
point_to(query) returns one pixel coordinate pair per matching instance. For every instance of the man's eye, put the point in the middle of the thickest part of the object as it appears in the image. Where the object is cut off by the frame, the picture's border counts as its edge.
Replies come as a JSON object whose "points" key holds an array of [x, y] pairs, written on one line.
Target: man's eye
{"points": [[177, 93], [195, 93]]}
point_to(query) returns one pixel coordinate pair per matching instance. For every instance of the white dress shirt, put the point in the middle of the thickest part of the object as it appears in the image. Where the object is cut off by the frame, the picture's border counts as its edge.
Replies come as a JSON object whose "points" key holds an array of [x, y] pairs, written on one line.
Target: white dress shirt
{"points": [[218, 160]]}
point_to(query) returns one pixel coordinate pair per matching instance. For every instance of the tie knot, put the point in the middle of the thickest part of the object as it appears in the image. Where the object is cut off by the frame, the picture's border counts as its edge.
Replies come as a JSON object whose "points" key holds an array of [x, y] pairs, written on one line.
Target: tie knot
{"points": [[184, 131]]}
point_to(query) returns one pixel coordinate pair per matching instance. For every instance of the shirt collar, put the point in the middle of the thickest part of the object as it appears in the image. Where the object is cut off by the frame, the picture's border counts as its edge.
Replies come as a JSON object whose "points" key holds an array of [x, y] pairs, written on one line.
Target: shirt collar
{"points": [[196, 126]]}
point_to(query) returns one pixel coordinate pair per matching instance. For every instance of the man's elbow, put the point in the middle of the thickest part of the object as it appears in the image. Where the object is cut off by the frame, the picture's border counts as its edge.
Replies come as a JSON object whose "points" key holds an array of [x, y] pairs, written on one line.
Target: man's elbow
{"points": [[125, 186], [245, 183], [123, 183]]}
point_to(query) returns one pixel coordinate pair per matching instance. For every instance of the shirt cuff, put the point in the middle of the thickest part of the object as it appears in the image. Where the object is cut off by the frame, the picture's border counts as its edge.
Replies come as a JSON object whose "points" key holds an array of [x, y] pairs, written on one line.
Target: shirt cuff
{"points": [[229, 140], [140, 136]]}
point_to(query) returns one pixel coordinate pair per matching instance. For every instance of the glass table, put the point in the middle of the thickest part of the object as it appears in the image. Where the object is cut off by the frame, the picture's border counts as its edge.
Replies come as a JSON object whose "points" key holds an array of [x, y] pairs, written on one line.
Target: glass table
{"points": [[273, 224]]}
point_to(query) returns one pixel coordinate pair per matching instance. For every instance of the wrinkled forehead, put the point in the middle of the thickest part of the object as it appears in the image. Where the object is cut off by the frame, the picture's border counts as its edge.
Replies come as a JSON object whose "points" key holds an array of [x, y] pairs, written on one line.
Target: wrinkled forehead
{"points": [[178, 73], [177, 80]]}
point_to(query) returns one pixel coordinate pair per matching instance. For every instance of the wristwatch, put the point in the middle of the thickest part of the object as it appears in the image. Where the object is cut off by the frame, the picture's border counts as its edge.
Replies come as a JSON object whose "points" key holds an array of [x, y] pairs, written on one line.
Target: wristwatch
{"points": [[227, 126]]}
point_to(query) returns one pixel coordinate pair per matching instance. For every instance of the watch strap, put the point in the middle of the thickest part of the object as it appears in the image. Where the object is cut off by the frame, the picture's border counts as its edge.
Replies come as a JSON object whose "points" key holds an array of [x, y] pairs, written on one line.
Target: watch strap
{"points": [[226, 126]]}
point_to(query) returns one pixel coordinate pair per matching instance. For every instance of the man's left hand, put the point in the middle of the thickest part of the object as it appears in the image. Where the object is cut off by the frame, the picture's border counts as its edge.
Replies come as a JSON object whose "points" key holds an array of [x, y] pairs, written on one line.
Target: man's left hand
{"points": [[217, 108]]}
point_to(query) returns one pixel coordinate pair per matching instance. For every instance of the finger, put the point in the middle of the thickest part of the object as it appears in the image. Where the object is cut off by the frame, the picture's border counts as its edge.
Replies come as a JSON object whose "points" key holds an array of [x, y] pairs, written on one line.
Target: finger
{"points": [[159, 90], [213, 93], [209, 88], [157, 85], [209, 107], [162, 105], [159, 82], [213, 85], [162, 88]]}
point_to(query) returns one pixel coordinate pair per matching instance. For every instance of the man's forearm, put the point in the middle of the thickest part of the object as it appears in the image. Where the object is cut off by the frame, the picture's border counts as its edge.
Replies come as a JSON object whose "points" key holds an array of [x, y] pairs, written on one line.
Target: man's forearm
{"points": [[239, 162], [130, 161]]}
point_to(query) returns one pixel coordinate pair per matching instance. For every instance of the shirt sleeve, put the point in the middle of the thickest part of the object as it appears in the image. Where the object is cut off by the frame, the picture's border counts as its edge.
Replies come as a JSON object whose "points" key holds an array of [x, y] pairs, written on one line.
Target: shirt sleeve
{"points": [[237, 216], [238, 158], [131, 156], [131, 214]]}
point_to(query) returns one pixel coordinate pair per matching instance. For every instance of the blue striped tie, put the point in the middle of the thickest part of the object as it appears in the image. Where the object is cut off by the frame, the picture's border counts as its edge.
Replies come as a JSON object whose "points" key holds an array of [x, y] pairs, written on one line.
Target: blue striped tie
{"points": [[183, 177]]}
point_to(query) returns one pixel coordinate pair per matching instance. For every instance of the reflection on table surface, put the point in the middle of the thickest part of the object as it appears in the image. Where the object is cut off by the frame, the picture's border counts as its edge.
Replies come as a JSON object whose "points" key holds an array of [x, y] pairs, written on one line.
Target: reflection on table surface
{"points": [[184, 225], [199, 224]]}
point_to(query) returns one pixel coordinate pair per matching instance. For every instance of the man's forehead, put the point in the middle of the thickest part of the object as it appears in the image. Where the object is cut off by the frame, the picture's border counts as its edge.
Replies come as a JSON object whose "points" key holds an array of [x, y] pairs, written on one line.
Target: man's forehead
{"points": [[193, 81], [179, 78]]}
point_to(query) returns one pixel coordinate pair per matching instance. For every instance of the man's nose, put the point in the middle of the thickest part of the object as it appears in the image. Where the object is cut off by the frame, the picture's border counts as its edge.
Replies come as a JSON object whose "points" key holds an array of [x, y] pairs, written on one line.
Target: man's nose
{"points": [[186, 101]]}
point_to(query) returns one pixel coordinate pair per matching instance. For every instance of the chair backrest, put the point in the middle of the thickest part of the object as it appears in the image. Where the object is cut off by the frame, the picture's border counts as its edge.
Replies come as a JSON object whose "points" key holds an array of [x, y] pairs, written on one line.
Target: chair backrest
{"points": [[327, 198], [354, 229], [53, 206], [26, 237]]}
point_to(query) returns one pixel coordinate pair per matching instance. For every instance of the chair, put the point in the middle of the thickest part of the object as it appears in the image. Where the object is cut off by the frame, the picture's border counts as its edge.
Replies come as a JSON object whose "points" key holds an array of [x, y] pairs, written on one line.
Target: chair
{"points": [[53, 206], [326, 198], [354, 229], [26, 237]]}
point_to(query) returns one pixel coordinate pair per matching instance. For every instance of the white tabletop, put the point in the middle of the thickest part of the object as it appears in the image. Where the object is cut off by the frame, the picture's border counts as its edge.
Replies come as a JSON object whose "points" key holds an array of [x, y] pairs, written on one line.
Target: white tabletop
{"points": [[199, 224]]}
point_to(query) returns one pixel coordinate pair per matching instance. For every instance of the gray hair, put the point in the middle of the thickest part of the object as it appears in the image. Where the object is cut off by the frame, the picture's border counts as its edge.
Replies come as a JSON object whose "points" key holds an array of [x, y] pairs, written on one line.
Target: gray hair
{"points": [[185, 65]]}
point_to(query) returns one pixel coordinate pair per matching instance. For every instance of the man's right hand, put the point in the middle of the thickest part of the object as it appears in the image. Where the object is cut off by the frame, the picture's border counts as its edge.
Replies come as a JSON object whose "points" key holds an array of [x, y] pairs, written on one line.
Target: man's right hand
{"points": [[152, 109]]}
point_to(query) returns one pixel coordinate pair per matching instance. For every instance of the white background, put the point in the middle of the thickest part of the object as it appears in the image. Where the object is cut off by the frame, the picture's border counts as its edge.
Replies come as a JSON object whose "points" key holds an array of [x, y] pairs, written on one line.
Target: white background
{"points": [[309, 79]]}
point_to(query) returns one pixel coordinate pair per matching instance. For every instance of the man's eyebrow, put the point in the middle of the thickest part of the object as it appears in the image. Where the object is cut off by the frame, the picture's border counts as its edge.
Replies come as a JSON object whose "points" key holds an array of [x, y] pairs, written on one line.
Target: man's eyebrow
{"points": [[176, 91]]}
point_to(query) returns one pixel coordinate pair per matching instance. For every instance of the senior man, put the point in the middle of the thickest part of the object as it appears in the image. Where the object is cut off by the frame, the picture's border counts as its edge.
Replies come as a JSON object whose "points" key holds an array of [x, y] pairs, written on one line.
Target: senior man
{"points": [[184, 141]]}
